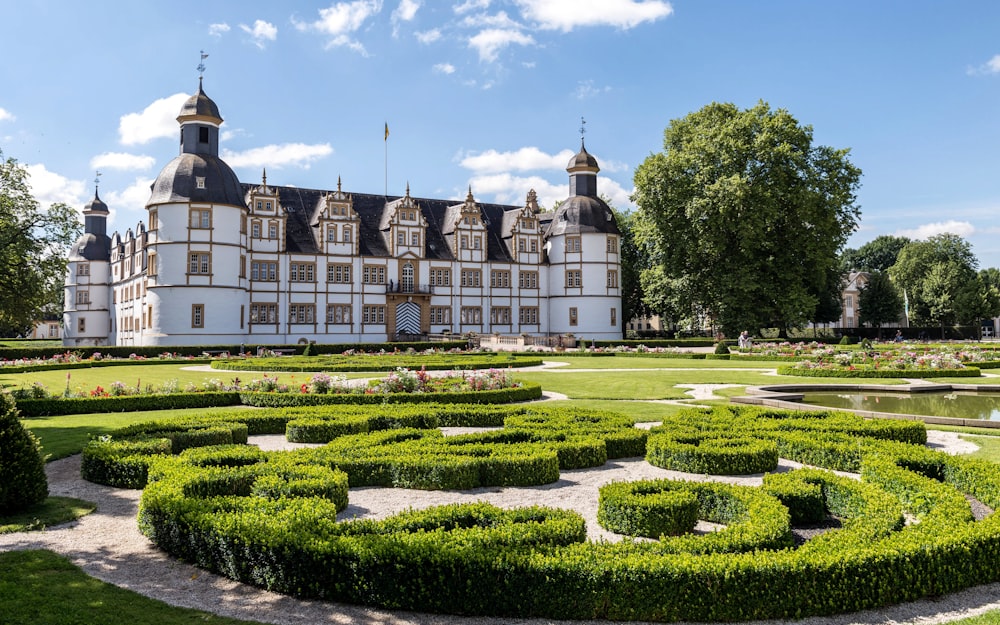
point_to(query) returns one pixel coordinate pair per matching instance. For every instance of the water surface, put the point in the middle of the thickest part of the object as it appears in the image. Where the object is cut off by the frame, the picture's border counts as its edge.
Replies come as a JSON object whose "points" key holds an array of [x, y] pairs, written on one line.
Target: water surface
{"points": [[954, 404]]}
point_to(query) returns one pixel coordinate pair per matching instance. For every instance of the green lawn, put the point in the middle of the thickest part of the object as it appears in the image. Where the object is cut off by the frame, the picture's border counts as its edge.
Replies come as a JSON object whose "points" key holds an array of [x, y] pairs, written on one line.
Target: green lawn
{"points": [[42, 588]]}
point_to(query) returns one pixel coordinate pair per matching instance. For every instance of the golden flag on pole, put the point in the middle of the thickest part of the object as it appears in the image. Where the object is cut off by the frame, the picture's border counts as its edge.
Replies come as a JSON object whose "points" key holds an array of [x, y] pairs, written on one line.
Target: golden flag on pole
{"points": [[386, 132]]}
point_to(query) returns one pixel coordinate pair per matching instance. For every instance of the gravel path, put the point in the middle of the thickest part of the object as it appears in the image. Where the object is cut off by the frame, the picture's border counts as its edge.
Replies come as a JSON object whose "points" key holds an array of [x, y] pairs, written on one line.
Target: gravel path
{"points": [[108, 545]]}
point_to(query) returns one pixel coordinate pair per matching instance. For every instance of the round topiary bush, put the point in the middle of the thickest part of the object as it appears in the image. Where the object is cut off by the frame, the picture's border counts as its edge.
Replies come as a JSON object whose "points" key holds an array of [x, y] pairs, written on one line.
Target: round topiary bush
{"points": [[721, 348], [22, 469]]}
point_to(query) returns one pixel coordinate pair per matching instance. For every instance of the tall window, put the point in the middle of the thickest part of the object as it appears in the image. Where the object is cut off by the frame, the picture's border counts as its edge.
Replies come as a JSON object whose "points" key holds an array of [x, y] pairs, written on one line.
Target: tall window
{"points": [[83, 297], [83, 269], [302, 272], [572, 244], [406, 278], [472, 315], [572, 316], [154, 222], [201, 219], [338, 313], [528, 315], [272, 230], [373, 274], [499, 279], [472, 278], [331, 233], [347, 234], [527, 280], [301, 313], [614, 316], [415, 239], [264, 270], [440, 314], [255, 230], [612, 245], [574, 278], [200, 263], [500, 315], [197, 315], [263, 313], [81, 326], [373, 314], [338, 273], [440, 277], [612, 279]]}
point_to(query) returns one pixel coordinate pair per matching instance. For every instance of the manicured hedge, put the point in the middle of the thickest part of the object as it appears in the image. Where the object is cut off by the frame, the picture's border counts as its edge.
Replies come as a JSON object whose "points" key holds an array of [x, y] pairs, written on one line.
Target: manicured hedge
{"points": [[213, 508], [967, 372], [125, 403], [93, 364], [371, 362], [528, 391]]}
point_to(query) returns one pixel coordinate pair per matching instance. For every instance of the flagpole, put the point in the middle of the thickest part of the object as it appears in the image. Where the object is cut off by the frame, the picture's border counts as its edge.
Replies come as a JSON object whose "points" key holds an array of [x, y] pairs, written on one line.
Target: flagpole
{"points": [[385, 140]]}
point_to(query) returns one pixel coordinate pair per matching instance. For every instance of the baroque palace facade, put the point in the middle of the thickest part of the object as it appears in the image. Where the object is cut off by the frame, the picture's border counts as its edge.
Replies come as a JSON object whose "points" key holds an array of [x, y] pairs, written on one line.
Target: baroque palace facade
{"points": [[224, 262]]}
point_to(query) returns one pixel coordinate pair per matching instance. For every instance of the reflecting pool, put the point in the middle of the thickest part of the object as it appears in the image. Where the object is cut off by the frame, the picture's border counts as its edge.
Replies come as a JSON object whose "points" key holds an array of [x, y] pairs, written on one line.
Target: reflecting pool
{"points": [[955, 404]]}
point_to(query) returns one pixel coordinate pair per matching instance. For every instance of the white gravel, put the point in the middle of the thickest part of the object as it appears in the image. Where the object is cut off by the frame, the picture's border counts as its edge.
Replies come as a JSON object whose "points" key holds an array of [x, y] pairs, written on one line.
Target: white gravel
{"points": [[108, 545]]}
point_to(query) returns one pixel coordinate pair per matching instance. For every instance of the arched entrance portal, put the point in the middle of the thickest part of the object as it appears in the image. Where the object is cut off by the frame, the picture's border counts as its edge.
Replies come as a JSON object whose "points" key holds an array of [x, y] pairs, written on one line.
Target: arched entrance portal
{"points": [[408, 317]]}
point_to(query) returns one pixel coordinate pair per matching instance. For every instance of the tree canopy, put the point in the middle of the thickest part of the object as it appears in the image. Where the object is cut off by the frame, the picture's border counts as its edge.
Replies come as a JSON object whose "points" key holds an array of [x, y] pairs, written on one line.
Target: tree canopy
{"points": [[33, 248], [749, 214], [879, 302], [877, 255]]}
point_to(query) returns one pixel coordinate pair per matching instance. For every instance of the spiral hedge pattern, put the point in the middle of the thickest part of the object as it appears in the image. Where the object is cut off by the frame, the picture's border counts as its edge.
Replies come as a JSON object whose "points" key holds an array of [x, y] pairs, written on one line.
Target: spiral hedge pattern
{"points": [[270, 519]]}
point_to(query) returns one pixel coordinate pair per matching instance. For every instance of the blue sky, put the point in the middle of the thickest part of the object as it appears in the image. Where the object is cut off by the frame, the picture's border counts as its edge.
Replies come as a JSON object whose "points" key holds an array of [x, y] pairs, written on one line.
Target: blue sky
{"points": [[490, 93]]}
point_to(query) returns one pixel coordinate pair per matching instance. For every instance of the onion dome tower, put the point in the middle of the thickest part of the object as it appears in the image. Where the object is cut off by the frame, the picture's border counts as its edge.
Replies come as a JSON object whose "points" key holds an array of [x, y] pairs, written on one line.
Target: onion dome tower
{"points": [[196, 288], [87, 286], [582, 242]]}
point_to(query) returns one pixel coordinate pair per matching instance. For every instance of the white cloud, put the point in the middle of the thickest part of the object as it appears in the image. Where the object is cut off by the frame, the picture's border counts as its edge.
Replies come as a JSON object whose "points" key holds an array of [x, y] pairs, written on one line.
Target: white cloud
{"points": [[261, 32], [340, 20], [406, 11], [499, 20], [489, 42], [585, 89], [961, 228], [565, 15], [49, 187], [157, 120], [6, 115], [122, 160], [470, 5], [444, 68], [989, 67], [429, 36], [217, 30], [130, 204], [278, 156], [524, 159], [506, 188]]}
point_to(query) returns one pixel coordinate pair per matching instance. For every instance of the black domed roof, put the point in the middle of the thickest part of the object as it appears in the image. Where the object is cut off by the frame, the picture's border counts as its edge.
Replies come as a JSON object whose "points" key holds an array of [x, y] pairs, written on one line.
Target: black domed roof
{"points": [[201, 106], [96, 205], [583, 213], [197, 178], [91, 246], [582, 160]]}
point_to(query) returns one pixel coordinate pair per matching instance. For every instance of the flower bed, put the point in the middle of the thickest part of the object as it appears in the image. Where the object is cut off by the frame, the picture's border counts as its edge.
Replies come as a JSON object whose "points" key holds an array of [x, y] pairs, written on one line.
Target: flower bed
{"points": [[400, 386]]}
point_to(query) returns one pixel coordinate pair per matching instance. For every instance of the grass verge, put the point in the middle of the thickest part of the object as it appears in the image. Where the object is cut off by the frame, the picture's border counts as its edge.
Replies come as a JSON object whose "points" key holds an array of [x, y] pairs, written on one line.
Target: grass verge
{"points": [[43, 588], [52, 511]]}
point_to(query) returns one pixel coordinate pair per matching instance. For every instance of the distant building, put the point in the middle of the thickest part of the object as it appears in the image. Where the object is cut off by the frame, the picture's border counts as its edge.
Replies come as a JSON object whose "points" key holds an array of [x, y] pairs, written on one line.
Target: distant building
{"points": [[219, 261]]}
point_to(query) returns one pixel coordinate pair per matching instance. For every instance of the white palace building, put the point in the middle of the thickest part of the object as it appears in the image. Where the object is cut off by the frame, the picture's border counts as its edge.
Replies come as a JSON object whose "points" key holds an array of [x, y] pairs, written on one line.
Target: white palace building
{"points": [[223, 262]]}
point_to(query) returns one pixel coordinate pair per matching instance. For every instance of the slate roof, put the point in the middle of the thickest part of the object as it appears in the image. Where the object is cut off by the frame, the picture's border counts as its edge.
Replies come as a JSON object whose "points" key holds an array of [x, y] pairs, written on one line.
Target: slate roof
{"points": [[300, 204]]}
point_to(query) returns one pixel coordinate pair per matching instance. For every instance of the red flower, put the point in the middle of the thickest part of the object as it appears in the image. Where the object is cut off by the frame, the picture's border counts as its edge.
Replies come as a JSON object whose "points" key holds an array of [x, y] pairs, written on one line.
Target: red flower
{"points": [[304, 389]]}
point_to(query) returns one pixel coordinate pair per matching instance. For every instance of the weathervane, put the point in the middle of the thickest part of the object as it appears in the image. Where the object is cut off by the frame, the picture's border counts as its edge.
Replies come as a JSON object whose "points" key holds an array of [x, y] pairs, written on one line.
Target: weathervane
{"points": [[583, 128], [97, 180], [201, 65]]}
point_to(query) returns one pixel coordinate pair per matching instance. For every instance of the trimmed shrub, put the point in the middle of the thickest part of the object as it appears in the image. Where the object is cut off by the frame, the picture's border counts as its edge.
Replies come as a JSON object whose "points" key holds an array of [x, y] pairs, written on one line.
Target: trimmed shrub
{"points": [[22, 468]]}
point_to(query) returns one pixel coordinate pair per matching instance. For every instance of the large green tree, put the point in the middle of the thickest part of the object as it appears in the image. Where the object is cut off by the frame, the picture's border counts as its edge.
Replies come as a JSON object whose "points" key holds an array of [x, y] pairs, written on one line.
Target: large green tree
{"points": [[877, 255], [742, 206], [632, 262], [33, 248], [932, 274], [879, 301]]}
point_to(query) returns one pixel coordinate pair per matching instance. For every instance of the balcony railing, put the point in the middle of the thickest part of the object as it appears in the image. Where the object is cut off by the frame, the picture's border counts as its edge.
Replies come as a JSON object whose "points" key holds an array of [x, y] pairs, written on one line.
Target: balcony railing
{"points": [[409, 288]]}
